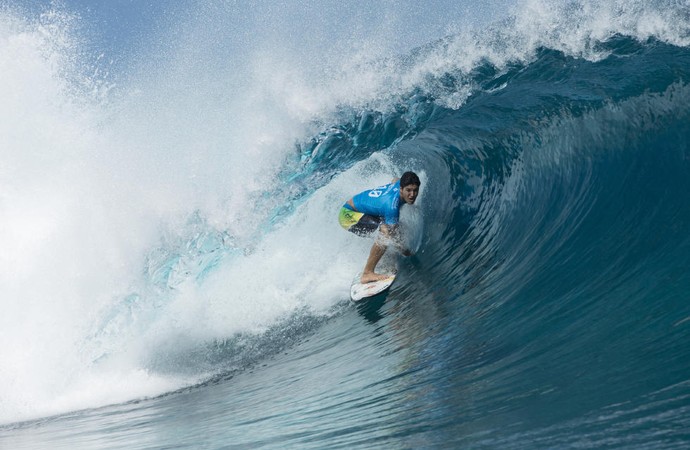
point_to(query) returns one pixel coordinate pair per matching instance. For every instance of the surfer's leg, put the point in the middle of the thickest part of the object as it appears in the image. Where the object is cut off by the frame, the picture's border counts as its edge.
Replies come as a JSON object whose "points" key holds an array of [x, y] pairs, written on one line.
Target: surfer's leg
{"points": [[375, 255], [363, 225]]}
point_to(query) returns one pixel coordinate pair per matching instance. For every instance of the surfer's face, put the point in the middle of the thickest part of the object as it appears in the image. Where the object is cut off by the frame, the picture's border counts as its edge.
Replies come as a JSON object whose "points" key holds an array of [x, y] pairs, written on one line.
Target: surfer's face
{"points": [[409, 193]]}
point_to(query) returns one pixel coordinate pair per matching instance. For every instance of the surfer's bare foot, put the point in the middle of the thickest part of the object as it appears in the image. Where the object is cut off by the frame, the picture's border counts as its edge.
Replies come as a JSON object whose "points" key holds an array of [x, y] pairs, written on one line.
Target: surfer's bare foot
{"points": [[371, 277]]}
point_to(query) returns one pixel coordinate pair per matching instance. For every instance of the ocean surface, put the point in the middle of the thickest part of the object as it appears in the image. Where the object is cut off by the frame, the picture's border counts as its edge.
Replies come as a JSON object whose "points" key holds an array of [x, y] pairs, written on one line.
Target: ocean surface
{"points": [[173, 275]]}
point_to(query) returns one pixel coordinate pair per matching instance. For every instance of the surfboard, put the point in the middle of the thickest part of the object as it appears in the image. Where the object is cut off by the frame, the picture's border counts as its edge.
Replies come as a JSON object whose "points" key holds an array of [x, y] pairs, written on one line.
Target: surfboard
{"points": [[359, 291]]}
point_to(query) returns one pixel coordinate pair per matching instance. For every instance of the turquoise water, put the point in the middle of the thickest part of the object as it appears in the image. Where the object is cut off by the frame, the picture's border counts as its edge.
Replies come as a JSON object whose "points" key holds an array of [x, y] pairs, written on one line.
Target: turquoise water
{"points": [[178, 279]]}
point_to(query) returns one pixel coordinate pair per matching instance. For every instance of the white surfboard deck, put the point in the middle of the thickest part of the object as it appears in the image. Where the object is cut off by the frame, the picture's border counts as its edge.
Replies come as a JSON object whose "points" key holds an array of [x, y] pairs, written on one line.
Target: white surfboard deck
{"points": [[360, 291]]}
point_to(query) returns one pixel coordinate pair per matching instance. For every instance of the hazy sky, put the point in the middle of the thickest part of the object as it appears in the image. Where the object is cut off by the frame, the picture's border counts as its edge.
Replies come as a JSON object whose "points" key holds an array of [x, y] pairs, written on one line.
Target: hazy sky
{"points": [[117, 27]]}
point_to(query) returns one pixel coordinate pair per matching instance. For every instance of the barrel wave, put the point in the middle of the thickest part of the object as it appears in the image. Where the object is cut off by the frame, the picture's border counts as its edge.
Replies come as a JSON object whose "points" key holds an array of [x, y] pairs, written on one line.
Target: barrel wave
{"points": [[546, 305]]}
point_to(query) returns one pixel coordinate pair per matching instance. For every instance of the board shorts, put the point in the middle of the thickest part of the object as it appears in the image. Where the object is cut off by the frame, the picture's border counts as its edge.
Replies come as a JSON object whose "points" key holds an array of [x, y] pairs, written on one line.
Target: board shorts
{"points": [[357, 222]]}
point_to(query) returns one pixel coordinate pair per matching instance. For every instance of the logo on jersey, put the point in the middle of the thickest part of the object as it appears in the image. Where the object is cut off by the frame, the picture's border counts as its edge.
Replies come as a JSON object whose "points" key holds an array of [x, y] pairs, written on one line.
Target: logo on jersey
{"points": [[377, 192]]}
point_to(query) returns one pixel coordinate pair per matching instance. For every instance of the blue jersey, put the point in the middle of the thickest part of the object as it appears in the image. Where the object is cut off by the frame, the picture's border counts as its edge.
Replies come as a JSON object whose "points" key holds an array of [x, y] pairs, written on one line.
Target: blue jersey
{"points": [[383, 201]]}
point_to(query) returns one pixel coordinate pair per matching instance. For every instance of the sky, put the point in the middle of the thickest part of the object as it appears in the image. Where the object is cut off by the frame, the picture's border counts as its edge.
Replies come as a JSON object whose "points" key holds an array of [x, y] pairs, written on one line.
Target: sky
{"points": [[118, 29]]}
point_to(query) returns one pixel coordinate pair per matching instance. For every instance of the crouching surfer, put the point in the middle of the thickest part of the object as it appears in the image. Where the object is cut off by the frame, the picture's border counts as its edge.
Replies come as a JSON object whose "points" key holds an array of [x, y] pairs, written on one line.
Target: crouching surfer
{"points": [[379, 208]]}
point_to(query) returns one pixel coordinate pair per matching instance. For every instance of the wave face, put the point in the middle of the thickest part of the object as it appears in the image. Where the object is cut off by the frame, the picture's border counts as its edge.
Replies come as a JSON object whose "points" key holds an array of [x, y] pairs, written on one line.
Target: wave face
{"points": [[165, 240]]}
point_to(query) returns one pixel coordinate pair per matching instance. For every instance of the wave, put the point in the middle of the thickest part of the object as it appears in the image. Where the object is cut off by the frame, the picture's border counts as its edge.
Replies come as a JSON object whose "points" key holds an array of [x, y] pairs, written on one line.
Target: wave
{"points": [[170, 234]]}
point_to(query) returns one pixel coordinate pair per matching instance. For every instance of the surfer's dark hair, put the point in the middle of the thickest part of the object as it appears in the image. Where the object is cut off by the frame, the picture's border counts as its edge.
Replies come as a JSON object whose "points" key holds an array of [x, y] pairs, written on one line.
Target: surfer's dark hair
{"points": [[409, 178]]}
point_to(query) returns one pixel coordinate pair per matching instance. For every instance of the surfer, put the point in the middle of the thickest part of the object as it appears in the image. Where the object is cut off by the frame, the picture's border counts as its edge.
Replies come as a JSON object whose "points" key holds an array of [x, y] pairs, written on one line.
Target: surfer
{"points": [[379, 208]]}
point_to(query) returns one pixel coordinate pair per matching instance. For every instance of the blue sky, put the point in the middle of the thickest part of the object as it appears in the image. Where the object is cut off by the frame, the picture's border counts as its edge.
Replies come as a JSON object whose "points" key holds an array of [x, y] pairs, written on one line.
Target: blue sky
{"points": [[122, 23], [110, 25], [124, 30]]}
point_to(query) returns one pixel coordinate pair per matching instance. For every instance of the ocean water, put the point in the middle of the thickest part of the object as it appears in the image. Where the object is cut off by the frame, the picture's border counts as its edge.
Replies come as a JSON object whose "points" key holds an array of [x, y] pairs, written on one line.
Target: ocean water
{"points": [[173, 275]]}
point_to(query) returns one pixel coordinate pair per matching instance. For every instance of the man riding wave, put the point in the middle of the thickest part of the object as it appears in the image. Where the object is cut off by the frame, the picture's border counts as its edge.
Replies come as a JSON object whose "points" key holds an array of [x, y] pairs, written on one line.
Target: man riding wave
{"points": [[379, 208]]}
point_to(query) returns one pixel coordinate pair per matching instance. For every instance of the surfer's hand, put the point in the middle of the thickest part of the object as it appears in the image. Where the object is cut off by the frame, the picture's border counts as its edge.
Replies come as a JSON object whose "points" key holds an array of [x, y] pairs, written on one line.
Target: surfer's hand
{"points": [[406, 252]]}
